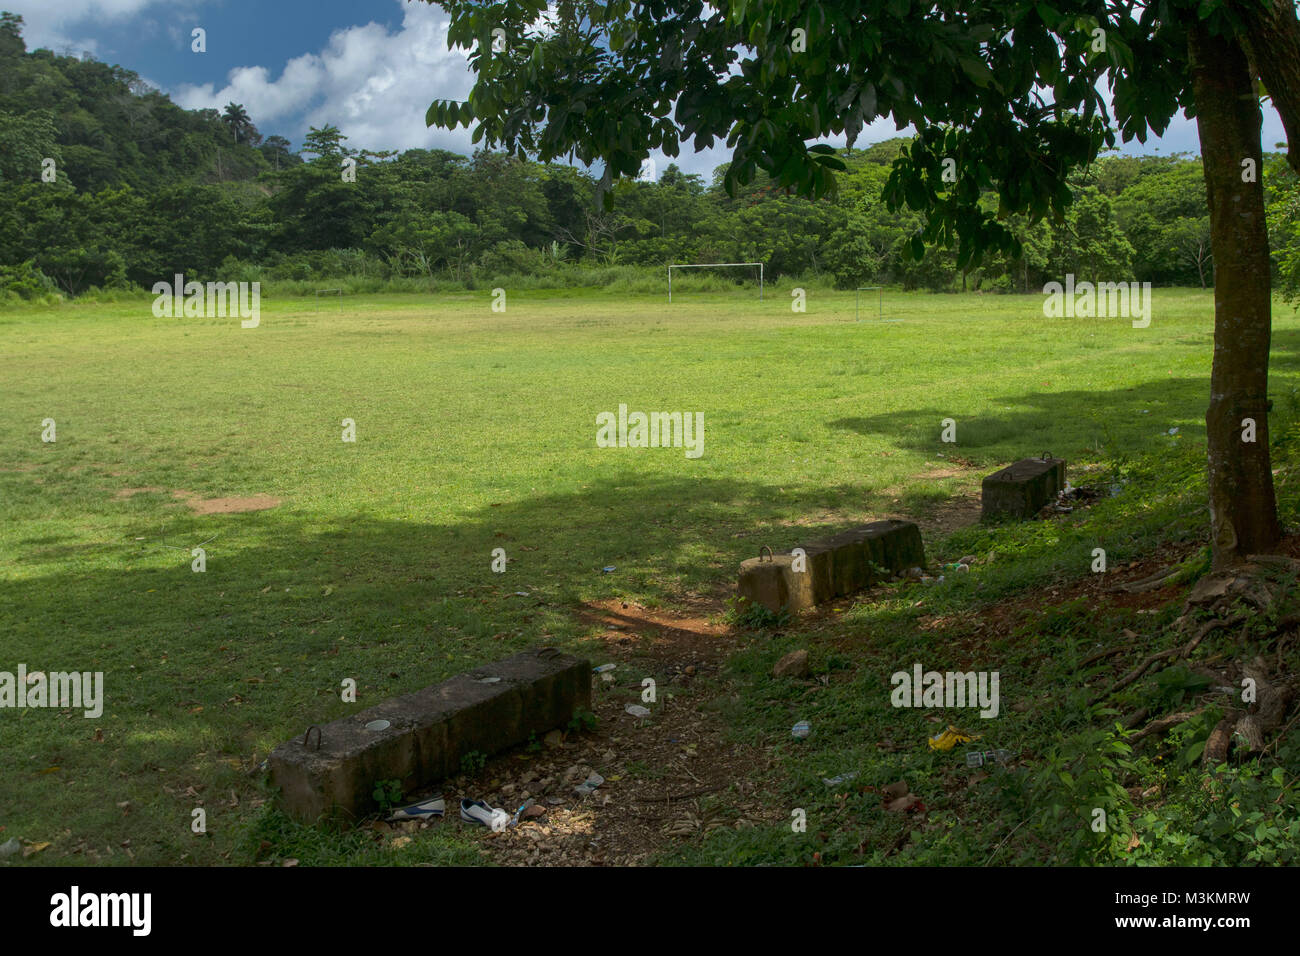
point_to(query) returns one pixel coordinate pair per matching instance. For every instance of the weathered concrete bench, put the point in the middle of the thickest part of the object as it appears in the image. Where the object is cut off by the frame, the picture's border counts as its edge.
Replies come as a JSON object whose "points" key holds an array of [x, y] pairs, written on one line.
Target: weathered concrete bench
{"points": [[835, 566], [333, 773], [1020, 490]]}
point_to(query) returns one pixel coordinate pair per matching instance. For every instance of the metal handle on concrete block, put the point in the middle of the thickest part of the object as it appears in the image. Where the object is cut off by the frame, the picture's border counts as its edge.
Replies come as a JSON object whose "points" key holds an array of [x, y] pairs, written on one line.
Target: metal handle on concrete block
{"points": [[307, 736], [771, 555]]}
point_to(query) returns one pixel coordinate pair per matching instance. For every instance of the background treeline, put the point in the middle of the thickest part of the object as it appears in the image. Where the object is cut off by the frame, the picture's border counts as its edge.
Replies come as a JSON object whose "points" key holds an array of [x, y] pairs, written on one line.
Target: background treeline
{"points": [[146, 189]]}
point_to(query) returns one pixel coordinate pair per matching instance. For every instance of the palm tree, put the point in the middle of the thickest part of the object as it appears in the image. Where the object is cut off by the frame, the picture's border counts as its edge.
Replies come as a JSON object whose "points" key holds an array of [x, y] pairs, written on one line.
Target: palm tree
{"points": [[241, 127]]}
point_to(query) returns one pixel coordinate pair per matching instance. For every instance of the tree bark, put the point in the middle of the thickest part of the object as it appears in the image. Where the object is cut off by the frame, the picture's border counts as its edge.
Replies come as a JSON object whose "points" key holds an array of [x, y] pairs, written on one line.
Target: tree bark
{"points": [[1243, 509]]}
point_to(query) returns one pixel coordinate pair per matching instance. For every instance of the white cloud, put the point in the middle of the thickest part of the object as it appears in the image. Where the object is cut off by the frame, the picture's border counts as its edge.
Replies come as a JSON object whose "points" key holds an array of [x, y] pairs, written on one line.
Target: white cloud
{"points": [[373, 84], [57, 24]]}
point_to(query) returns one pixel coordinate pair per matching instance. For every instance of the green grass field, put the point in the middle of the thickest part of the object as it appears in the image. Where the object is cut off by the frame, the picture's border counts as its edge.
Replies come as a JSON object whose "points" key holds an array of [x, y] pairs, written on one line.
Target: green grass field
{"points": [[474, 430]]}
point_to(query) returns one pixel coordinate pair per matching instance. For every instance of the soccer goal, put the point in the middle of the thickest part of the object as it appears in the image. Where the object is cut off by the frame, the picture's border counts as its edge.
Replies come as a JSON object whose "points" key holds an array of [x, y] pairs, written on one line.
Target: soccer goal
{"points": [[715, 265], [880, 301], [321, 292]]}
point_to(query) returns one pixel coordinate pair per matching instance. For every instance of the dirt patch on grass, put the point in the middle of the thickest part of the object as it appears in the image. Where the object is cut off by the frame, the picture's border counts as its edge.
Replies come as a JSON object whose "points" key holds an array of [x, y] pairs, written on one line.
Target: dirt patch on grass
{"points": [[696, 630], [225, 506], [205, 506], [958, 511]]}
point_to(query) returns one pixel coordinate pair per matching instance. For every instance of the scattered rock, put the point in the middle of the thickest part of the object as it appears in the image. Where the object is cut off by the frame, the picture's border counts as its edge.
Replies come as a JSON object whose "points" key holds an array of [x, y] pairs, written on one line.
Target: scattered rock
{"points": [[898, 797], [794, 664], [1211, 587], [554, 739]]}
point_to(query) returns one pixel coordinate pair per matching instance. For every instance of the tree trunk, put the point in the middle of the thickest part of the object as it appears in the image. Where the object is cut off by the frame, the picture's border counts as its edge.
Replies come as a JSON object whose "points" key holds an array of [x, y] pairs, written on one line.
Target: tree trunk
{"points": [[1243, 509]]}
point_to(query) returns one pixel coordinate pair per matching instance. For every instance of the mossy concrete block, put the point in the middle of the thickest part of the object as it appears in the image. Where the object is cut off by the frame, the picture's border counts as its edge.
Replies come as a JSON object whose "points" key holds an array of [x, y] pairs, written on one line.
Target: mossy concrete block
{"points": [[1020, 490], [832, 567], [487, 710], [773, 583]]}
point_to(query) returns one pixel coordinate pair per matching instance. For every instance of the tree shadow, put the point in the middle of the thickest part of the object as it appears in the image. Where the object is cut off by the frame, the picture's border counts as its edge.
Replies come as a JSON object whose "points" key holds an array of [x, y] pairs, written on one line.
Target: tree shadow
{"points": [[1065, 423]]}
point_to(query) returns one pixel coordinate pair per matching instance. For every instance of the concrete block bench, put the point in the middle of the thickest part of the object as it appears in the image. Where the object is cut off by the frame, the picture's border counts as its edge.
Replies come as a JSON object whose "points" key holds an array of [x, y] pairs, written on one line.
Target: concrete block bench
{"points": [[331, 772], [1021, 490], [834, 566]]}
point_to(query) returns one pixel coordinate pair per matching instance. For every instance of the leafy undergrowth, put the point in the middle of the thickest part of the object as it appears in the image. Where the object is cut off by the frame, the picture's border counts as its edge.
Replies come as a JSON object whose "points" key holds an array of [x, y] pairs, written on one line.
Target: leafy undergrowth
{"points": [[1084, 785]]}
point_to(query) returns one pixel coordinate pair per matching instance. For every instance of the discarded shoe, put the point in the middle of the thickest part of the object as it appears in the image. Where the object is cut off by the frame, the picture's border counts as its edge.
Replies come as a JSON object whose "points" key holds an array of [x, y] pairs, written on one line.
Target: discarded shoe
{"points": [[433, 807]]}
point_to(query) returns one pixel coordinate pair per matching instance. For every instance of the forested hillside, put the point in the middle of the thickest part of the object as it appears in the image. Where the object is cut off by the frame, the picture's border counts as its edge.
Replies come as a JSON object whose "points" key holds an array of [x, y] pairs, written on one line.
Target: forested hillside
{"points": [[105, 183]]}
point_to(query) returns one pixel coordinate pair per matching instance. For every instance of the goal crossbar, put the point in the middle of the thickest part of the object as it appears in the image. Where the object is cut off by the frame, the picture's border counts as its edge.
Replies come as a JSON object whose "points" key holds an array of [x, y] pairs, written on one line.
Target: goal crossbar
{"points": [[714, 265]]}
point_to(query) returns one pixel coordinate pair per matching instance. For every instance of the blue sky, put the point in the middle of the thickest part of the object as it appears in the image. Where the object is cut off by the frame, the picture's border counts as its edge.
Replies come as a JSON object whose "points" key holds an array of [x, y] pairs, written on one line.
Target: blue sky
{"points": [[370, 67]]}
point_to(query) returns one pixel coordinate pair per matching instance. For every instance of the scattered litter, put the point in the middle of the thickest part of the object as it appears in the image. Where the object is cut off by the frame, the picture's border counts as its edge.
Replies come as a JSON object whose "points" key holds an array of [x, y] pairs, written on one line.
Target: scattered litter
{"points": [[602, 668], [981, 758], [378, 725], [488, 680], [477, 811], [527, 804], [10, 847], [842, 778], [1172, 431], [801, 730], [951, 738], [522, 594], [609, 570], [1070, 497], [589, 785], [636, 710], [435, 806]]}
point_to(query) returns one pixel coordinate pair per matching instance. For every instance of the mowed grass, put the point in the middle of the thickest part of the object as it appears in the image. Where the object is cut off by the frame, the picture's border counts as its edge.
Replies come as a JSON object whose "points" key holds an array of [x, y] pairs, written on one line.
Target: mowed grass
{"points": [[474, 430]]}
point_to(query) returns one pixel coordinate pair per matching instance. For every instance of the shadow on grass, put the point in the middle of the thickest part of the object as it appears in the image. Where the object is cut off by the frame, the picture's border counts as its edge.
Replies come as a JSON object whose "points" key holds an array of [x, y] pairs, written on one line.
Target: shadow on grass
{"points": [[1069, 422], [205, 672]]}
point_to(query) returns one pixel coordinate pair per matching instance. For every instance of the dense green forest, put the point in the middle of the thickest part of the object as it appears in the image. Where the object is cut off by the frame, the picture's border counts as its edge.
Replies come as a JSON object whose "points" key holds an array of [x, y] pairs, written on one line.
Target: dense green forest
{"points": [[105, 184]]}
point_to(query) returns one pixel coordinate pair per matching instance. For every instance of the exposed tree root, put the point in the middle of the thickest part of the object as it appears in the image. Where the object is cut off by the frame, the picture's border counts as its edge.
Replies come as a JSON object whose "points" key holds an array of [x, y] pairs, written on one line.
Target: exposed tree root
{"points": [[1171, 654], [1145, 584], [1162, 724]]}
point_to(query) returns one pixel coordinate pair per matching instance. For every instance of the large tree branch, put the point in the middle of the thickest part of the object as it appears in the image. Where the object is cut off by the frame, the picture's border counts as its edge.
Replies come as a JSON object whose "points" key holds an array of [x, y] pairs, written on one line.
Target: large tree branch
{"points": [[1273, 41]]}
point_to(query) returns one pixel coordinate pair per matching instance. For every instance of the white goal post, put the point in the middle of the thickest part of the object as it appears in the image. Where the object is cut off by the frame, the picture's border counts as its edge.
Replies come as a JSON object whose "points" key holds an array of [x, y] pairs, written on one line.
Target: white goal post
{"points": [[320, 292], [880, 301], [714, 265]]}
